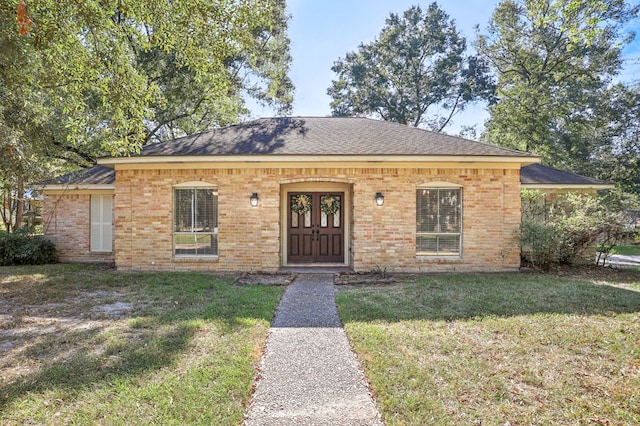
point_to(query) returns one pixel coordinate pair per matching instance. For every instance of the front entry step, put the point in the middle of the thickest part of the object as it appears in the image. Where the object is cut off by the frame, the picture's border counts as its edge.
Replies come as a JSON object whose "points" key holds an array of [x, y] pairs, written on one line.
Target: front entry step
{"points": [[315, 269]]}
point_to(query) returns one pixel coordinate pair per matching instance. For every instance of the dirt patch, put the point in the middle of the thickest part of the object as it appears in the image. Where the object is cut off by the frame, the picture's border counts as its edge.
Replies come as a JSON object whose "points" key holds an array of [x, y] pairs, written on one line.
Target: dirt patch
{"points": [[117, 309], [29, 330]]}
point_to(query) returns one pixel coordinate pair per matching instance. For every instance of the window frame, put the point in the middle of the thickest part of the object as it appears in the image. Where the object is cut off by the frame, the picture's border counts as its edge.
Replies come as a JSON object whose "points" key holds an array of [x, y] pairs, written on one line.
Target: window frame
{"points": [[100, 228], [213, 233], [439, 253]]}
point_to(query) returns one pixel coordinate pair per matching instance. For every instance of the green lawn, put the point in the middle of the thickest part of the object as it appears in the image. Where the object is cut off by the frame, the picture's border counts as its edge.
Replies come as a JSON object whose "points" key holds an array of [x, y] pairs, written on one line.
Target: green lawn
{"points": [[518, 349], [630, 250], [88, 345]]}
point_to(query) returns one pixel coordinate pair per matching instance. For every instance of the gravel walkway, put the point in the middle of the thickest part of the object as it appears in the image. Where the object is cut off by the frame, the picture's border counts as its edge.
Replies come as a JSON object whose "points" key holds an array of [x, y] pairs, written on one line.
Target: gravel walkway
{"points": [[309, 374]]}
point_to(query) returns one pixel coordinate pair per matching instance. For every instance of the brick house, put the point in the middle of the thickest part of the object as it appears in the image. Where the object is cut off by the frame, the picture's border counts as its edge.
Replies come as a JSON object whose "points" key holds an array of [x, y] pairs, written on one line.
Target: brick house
{"points": [[290, 192]]}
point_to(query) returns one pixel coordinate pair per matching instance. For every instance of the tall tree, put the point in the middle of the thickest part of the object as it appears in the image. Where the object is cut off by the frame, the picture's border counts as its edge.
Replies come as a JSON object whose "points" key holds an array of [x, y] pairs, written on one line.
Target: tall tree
{"points": [[555, 60], [416, 65], [89, 77], [616, 155]]}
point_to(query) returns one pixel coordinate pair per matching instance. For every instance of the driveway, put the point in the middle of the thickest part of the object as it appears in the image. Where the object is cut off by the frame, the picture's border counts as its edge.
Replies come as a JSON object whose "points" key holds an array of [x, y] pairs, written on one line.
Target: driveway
{"points": [[623, 261]]}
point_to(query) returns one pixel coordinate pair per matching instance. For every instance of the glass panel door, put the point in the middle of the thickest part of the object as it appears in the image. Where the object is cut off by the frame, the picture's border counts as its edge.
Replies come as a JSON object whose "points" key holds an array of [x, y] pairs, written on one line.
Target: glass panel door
{"points": [[315, 232]]}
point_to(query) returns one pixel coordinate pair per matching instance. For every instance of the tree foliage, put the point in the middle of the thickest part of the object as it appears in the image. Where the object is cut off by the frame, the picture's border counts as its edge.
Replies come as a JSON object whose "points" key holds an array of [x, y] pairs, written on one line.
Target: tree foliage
{"points": [[92, 77], [555, 60], [416, 65], [616, 155]]}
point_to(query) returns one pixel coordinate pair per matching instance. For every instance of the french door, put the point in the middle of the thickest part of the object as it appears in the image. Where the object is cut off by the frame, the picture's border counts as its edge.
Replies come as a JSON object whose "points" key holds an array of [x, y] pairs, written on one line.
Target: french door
{"points": [[315, 227]]}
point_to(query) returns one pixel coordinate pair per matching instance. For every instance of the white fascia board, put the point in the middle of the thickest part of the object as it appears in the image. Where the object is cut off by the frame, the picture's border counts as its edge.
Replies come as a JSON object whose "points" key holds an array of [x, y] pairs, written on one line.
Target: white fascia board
{"points": [[568, 186], [72, 187], [113, 161]]}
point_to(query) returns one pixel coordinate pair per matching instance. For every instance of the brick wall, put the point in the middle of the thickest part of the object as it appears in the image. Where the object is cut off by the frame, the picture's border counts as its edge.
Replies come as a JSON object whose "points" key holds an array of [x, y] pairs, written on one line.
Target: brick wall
{"points": [[250, 238], [385, 236], [66, 222]]}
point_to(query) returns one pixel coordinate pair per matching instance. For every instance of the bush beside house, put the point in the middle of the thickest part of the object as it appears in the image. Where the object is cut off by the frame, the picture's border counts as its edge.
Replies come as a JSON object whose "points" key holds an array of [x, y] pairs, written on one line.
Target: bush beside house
{"points": [[22, 248], [569, 228]]}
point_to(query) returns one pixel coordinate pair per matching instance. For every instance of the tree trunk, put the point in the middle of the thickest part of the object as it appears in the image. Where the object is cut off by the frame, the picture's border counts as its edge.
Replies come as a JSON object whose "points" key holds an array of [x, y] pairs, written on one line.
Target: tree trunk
{"points": [[6, 210], [19, 203]]}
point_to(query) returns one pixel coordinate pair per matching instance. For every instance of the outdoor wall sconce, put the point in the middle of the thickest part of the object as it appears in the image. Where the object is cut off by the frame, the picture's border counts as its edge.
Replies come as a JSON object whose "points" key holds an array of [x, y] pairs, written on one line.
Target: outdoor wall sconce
{"points": [[254, 199], [379, 199]]}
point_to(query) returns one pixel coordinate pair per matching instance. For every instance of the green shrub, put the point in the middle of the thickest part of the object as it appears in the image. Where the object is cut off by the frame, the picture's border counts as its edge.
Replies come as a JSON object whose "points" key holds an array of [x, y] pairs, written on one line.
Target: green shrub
{"points": [[538, 244], [21, 248], [568, 230]]}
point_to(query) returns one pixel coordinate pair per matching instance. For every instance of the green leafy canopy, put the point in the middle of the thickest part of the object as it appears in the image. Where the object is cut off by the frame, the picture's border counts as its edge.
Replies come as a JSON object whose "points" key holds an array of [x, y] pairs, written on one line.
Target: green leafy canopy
{"points": [[81, 79], [416, 65], [96, 75], [554, 60]]}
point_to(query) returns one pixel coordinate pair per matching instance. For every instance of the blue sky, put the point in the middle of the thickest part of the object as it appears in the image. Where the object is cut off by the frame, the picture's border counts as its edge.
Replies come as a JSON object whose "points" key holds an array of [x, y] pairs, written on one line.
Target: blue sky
{"points": [[321, 31]]}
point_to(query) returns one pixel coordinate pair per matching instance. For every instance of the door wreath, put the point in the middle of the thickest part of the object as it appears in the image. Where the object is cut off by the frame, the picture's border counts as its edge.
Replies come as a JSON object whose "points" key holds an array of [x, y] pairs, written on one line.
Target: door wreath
{"points": [[330, 204], [301, 203]]}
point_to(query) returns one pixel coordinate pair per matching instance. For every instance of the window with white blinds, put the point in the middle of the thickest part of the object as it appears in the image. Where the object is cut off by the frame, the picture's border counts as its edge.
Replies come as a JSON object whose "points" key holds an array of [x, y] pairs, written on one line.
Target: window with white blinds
{"points": [[101, 234], [195, 222], [439, 221]]}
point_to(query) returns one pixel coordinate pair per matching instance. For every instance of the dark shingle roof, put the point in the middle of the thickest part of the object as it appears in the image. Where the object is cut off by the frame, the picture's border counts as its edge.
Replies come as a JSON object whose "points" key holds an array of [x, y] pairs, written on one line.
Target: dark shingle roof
{"points": [[96, 175], [539, 174], [323, 136], [305, 136]]}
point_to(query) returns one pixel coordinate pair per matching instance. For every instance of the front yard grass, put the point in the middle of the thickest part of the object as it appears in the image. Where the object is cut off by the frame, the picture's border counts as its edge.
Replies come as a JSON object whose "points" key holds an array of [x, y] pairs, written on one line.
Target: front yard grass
{"points": [[87, 345], [629, 250], [517, 349]]}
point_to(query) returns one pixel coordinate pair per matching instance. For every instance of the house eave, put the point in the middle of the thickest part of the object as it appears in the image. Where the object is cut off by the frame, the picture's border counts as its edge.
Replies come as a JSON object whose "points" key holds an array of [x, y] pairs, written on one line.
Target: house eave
{"points": [[82, 187], [314, 160], [567, 186]]}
